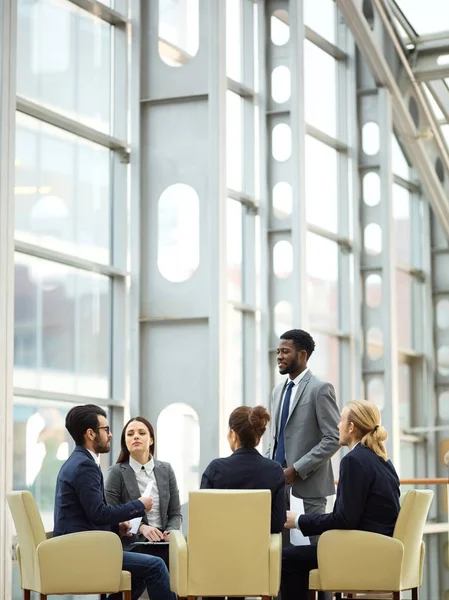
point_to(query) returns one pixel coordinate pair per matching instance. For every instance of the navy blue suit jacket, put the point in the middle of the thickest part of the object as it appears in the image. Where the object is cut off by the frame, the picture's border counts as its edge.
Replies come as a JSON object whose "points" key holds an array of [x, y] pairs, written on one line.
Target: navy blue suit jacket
{"points": [[80, 504], [247, 469], [367, 496]]}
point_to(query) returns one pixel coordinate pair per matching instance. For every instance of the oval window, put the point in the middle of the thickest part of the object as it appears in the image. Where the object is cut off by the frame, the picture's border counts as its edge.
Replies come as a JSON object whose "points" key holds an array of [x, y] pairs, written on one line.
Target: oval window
{"points": [[178, 31], [283, 259], [178, 250]]}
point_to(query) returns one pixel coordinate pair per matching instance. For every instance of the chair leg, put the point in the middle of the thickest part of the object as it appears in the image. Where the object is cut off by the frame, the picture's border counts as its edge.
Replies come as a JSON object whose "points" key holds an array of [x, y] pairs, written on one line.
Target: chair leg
{"points": [[42, 596], [396, 595], [312, 594], [26, 594], [415, 593], [126, 595]]}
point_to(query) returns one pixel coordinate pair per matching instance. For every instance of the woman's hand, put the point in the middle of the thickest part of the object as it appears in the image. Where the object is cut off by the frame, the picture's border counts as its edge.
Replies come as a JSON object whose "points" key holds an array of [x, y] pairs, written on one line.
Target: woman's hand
{"points": [[152, 534]]}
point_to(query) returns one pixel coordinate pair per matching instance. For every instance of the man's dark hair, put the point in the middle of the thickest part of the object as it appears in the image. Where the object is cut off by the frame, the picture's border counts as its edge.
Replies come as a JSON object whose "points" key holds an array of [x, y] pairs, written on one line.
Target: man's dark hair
{"points": [[81, 418], [301, 340]]}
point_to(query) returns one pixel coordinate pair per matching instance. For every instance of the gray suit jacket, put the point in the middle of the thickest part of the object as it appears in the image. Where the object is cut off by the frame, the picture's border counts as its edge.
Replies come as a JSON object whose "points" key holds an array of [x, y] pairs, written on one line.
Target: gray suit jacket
{"points": [[311, 435], [121, 486]]}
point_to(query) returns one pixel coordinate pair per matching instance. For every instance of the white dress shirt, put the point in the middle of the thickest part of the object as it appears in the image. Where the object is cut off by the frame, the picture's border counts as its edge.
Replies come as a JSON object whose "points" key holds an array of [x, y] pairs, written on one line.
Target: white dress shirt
{"points": [[294, 390], [145, 474], [96, 457]]}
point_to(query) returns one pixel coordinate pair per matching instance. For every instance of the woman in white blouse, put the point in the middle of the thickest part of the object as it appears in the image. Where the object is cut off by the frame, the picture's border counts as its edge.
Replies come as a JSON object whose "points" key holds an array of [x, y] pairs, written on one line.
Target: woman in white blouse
{"points": [[137, 473]]}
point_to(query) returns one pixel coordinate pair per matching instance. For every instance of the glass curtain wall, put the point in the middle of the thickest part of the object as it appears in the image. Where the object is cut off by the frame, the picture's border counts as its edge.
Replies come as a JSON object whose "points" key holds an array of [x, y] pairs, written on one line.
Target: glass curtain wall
{"points": [[70, 230]]}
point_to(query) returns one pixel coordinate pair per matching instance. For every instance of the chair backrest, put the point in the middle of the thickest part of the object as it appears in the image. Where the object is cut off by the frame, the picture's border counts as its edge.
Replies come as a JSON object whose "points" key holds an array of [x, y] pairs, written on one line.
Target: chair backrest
{"points": [[228, 541], [409, 530], [30, 531]]}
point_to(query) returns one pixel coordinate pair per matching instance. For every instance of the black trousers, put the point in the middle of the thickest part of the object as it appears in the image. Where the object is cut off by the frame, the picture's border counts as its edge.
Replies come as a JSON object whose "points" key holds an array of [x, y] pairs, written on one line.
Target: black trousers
{"points": [[297, 562]]}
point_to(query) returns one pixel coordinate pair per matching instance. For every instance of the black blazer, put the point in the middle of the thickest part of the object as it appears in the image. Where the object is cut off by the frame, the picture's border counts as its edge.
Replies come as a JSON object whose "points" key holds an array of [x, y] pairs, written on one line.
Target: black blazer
{"points": [[367, 496], [80, 504], [246, 469]]}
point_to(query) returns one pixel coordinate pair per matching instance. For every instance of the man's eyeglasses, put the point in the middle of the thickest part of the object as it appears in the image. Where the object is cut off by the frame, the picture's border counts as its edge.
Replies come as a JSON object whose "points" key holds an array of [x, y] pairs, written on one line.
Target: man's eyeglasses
{"points": [[106, 428]]}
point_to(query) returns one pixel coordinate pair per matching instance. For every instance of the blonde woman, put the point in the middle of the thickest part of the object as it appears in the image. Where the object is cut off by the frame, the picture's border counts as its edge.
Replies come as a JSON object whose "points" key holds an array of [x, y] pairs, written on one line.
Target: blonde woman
{"points": [[367, 495]]}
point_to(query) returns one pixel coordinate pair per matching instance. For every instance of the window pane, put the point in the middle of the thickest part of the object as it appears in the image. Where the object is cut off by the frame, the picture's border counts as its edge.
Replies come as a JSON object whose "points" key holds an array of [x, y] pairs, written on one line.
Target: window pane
{"points": [[64, 60], [426, 17], [234, 39], [234, 249], [324, 361], [234, 140], [320, 89], [404, 396], [321, 191], [402, 225], [319, 15], [62, 328], [404, 309], [62, 191], [322, 281], [233, 395], [399, 162]]}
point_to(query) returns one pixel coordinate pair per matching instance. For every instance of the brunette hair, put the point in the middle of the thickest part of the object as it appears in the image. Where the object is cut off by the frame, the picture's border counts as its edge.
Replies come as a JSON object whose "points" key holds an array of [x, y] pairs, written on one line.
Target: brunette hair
{"points": [[124, 452], [249, 423], [366, 417], [81, 418]]}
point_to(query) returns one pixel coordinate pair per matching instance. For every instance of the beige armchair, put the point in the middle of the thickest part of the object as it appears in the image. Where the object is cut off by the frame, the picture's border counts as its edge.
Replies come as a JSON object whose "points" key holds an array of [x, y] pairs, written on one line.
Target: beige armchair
{"points": [[230, 551], [357, 561], [89, 562]]}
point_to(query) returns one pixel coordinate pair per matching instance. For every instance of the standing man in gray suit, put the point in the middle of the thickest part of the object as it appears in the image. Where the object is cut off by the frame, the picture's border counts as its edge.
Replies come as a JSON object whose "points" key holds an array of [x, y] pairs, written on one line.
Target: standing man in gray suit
{"points": [[305, 417]]}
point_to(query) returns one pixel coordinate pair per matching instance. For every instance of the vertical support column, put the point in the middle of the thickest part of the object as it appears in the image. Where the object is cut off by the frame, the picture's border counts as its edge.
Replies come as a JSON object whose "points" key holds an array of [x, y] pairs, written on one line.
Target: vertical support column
{"points": [[182, 314], [8, 27], [379, 307], [285, 198]]}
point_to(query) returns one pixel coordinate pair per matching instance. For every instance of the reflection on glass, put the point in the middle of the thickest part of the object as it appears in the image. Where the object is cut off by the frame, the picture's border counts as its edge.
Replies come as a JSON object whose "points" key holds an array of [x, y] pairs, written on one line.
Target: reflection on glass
{"points": [[373, 290], [402, 225], [178, 31], [234, 249], [322, 281], [283, 317], [62, 328], [426, 17], [404, 373], [64, 60], [234, 39], [282, 200], [280, 84], [321, 192], [62, 191], [404, 308], [370, 138], [180, 422], [233, 392], [375, 392], [408, 463], [281, 142], [178, 253], [283, 259], [399, 162], [324, 362], [234, 140], [371, 189], [280, 29], [374, 343], [320, 92], [372, 239]]}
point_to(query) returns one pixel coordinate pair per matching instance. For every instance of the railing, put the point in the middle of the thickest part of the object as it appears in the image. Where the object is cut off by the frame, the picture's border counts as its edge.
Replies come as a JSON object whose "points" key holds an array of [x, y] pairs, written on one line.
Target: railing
{"points": [[432, 526]]}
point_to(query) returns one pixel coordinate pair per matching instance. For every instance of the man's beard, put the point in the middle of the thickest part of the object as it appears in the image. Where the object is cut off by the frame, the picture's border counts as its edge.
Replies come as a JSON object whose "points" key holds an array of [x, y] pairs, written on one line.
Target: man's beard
{"points": [[102, 447]]}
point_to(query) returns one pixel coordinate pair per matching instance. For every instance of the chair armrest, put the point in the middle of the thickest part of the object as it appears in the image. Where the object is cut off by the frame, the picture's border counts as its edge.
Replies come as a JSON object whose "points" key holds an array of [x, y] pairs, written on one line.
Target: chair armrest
{"points": [[80, 563], [275, 558], [178, 553], [359, 560]]}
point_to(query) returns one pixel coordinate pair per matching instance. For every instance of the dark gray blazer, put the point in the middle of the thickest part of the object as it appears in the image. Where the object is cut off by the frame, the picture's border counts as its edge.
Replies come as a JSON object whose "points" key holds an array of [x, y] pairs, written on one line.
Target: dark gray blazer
{"points": [[311, 435], [121, 487]]}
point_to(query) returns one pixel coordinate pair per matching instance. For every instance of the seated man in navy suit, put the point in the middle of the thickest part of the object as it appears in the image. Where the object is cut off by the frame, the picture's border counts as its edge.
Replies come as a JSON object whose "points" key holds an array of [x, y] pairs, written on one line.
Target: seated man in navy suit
{"points": [[367, 495], [80, 503]]}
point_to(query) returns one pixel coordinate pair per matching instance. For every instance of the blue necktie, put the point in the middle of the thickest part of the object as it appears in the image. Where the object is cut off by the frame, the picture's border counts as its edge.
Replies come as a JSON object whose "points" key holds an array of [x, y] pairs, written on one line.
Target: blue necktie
{"points": [[280, 448]]}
